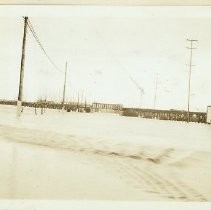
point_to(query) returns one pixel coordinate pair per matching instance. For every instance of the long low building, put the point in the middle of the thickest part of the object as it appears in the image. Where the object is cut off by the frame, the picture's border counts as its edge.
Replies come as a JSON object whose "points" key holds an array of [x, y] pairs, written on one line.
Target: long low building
{"points": [[209, 114], [106, 107], [175, 115]]}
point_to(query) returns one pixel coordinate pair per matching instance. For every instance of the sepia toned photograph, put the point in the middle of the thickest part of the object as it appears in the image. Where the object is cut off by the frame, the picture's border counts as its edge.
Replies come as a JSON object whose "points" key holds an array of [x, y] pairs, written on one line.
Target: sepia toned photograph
{"points": [[105, 103]]}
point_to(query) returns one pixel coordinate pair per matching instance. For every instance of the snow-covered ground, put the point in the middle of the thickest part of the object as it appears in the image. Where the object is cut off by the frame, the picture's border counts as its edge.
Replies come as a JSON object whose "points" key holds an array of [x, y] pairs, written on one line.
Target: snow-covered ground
{"points": [[60, 155]]}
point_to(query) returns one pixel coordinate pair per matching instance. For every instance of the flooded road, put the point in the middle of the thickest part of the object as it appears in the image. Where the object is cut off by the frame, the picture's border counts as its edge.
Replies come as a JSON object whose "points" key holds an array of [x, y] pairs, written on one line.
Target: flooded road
{"points": [[38, 172], [77, 156]]}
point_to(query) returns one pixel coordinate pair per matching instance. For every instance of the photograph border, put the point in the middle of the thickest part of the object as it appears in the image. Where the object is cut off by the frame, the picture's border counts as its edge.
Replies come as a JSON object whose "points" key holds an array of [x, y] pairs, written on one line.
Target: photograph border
{"points": [[102, 205]]}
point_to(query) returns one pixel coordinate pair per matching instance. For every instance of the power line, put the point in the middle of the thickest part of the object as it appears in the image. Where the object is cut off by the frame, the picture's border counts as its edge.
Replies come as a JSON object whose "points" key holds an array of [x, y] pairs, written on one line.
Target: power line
{"points": [[127, 74], [139, 88], [119, 64], [136, 84], [41, 46]]}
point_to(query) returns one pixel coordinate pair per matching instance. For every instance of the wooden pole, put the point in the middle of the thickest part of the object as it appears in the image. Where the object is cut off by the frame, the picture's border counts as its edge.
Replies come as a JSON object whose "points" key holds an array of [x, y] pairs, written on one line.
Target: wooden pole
{"points": [[20, 93], [189, 78], [156, 86], [64, 89]]}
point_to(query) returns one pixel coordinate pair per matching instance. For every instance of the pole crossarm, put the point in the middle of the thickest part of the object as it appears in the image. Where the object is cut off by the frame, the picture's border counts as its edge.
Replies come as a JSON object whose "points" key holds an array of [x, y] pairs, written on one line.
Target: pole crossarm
{"points": [[190, 65], [192, 40], [191, 48]]}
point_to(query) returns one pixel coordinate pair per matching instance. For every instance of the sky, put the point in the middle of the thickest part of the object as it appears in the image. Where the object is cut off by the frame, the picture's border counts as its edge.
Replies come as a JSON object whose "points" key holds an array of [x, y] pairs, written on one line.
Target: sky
{"points": [[104, 47]]}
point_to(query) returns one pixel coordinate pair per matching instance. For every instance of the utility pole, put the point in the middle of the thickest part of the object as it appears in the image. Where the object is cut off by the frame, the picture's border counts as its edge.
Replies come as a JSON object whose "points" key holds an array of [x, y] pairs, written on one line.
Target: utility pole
{"points": [[64, 89], [82, 98], [78, 105], [85, 104], [156, 86], [20, 92], [190, 69]]}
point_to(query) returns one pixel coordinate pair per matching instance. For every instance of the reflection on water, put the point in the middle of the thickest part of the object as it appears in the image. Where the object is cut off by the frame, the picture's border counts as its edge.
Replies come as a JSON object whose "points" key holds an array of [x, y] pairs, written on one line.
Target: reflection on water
{"points": [[8, 167], [13, 168], [33, 172], [36, 172]]}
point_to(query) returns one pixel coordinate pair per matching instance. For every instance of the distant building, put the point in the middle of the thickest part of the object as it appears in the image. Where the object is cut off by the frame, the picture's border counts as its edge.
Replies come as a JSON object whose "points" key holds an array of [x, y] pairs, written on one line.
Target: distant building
{"points": [[101, 107], [209, 114]]}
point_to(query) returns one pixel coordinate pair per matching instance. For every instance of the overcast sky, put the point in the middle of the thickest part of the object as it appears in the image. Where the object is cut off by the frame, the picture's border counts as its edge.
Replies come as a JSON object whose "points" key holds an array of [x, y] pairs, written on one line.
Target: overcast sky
{"points": [[104, 46]]}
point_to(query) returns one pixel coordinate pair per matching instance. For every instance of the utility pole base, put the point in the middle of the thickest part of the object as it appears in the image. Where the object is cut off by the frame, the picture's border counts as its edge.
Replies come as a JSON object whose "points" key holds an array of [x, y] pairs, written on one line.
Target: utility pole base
{"points": [[19, 108]]}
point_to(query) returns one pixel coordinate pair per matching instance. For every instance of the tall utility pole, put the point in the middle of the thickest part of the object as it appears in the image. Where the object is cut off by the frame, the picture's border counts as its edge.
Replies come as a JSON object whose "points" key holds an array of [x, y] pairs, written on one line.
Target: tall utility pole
{"points": [[82, 97], [20, 92], [190, 69], [156, 86], [78, 105], [85, 104], [64, 89]]}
